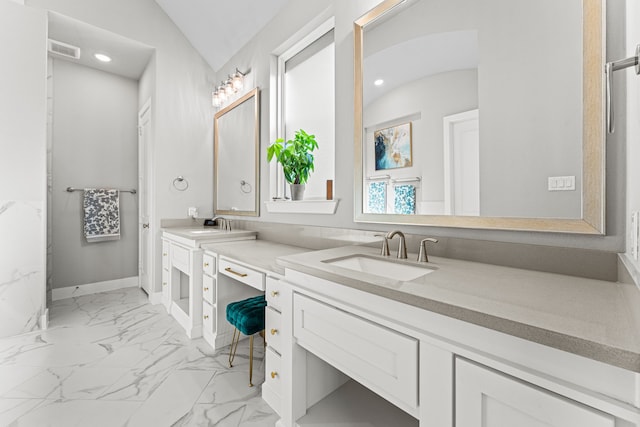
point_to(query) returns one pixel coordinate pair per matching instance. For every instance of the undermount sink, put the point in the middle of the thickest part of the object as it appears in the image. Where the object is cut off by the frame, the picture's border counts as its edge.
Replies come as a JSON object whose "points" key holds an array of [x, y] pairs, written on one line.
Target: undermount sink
{"points": [[380, 267]]}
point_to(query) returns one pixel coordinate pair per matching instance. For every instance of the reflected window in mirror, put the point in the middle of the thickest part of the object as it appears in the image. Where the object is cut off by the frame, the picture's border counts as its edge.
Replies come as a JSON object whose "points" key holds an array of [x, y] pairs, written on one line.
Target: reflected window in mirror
{"points": [[471, 109], [306, 100]]}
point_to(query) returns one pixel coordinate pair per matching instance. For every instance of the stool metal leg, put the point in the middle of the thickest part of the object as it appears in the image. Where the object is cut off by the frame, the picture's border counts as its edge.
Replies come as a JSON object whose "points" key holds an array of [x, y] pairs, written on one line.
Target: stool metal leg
{"points": [[251, 361], [233, 348]]}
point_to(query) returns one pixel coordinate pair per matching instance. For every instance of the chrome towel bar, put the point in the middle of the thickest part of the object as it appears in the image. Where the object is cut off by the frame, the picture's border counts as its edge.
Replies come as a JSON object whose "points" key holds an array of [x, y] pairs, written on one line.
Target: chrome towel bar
{"points": [[609, 68], [71, 190]]}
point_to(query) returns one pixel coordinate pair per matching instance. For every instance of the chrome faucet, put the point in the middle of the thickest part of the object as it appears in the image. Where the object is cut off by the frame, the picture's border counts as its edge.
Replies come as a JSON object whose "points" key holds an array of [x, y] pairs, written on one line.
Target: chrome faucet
{"points": [[402, 246], [422, 256]]}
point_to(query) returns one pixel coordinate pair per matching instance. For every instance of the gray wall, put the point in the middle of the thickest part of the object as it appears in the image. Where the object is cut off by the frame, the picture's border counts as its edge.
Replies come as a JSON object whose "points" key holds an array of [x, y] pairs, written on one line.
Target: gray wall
{"points": [[95, 144], [257, 56]]}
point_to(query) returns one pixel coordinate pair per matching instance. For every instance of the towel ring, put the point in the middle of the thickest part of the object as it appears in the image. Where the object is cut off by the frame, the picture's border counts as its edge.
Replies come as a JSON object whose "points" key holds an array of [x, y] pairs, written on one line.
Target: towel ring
{"points": [[243, 185], [180, 183]]}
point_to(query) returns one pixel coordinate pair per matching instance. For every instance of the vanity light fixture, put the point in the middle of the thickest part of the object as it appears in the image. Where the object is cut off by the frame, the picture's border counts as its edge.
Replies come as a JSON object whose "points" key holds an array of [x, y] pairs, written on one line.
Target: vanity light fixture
{"points": [[102, 57], [227, 88], [378, 82]]}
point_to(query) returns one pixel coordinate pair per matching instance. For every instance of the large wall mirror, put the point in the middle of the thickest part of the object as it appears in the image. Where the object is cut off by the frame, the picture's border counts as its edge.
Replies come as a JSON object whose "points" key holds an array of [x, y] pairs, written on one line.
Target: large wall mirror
{"points": [[236, 153], [481, 114]]}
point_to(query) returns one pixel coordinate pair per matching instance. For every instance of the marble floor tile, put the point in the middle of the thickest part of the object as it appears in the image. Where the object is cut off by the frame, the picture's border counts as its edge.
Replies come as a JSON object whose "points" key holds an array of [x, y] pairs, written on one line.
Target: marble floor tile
{"points": [[113, 359]]}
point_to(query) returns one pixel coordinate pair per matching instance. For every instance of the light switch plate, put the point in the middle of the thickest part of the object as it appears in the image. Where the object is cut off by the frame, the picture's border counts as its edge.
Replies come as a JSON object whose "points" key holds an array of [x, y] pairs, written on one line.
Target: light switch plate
{"points": [[561, 183]]}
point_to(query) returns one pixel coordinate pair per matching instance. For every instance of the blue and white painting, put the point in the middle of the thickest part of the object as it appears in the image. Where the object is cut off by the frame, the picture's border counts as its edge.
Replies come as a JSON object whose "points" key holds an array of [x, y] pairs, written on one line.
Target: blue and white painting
{"points": [[377, 199], [393, 147]]}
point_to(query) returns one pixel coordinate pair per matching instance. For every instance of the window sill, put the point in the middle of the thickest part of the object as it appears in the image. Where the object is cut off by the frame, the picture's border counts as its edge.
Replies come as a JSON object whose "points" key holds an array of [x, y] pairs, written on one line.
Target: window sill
{"points": [[327, 207]]}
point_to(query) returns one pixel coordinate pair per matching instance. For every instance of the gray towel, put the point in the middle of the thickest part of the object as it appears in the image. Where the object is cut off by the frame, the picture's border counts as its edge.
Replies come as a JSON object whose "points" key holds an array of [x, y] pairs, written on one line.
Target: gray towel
{"points": [[101, 214]]}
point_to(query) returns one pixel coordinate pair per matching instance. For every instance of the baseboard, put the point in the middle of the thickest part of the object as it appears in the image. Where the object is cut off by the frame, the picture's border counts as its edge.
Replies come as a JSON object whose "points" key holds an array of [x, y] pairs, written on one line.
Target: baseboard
{"points": [[44, 320], [155, 298], [93, 288]]}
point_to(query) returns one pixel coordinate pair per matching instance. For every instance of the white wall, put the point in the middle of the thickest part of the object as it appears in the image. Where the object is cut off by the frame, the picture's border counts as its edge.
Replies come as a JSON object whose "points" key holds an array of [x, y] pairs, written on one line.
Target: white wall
{"points": [[632, 126], [182, 114], [257, 56], [22, 168], [95, 145]]}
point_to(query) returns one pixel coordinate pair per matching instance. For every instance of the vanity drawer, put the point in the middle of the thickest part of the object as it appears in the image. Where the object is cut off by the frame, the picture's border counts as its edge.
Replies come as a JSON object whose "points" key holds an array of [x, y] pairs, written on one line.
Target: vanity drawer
{"points": [[246, 275], [272, 387], [273, 324], [165, 254], [209, 289], [181, 258], [209, 264], [384, 360], [208, 319], [274, 293]]}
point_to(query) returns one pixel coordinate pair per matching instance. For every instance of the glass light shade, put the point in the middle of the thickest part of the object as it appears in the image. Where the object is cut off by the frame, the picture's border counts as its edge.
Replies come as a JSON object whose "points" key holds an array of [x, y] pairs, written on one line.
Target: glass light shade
{"points": [[221, 94], [215, 100], [238, 80], [228, 88]]}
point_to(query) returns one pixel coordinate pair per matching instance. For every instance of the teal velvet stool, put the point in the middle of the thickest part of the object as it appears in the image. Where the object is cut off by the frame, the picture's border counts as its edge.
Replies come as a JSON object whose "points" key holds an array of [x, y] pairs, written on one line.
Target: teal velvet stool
{"points": [[247, 316]]}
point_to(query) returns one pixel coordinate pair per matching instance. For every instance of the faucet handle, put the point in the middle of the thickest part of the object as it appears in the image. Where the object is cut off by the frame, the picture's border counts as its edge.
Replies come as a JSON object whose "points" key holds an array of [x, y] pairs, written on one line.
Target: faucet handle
{"points": [[385, 244], [422, 256]]}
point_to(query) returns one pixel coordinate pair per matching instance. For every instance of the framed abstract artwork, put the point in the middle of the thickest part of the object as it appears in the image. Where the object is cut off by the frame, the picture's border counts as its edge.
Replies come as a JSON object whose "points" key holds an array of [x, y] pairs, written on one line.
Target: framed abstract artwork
{"points": [[393, 147]]}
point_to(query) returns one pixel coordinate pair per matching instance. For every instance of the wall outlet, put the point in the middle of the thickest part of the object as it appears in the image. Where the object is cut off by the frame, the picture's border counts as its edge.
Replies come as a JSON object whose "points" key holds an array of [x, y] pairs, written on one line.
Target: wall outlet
{"points": [[635, 234], [561, 183], [193, 212]]}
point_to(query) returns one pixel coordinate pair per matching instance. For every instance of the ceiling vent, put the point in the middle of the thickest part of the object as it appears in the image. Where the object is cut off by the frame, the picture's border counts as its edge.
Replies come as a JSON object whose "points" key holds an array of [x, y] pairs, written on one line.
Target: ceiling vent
{"points": [[64, 49]]}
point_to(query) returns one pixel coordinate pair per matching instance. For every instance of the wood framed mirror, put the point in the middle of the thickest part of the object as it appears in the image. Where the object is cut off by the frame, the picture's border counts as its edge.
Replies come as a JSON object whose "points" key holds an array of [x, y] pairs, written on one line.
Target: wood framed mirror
{"points": [[481, 114], [236, 157]]}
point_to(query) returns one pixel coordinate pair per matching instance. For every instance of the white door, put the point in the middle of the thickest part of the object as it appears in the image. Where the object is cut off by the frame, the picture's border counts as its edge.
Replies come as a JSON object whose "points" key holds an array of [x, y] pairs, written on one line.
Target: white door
{"points": [[487, 398], [145, 240], [462, 164]]}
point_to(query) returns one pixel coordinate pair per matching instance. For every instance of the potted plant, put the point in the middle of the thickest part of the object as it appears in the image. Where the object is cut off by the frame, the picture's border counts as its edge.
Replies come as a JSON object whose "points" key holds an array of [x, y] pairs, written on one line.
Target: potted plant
{"points": [[296, 159]]}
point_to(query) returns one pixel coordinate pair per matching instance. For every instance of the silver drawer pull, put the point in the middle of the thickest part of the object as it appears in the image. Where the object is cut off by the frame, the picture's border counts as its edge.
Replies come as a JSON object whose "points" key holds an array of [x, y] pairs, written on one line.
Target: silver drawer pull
{"points": [[228, 269]]}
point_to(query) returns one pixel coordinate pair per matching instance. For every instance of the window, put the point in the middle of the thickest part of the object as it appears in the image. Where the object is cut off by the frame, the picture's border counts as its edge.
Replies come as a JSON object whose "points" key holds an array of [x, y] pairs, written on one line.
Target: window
{"points": [[306, 100]]}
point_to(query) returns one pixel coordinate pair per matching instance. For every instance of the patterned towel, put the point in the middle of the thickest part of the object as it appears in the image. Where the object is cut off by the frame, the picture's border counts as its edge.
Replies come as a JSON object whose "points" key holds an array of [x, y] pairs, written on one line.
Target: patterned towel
{"points": [[405, 200], [101, 214], [377, 200]]}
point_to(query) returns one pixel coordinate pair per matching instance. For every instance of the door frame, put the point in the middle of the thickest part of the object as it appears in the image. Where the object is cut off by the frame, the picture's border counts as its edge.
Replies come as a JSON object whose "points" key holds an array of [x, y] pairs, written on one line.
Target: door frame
{"points": [[449, 170], [146, 193]]}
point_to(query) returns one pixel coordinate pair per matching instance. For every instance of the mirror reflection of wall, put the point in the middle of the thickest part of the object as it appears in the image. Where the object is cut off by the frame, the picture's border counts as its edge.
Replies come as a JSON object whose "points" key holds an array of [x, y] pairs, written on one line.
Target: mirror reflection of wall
{"points": [[492, 90], [236, 167]]}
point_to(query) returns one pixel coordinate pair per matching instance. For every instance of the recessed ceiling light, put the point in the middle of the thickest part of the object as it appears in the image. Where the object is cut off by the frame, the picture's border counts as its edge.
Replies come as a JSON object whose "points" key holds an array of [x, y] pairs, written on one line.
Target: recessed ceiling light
{"points": [[378, 82], [102, 57]]}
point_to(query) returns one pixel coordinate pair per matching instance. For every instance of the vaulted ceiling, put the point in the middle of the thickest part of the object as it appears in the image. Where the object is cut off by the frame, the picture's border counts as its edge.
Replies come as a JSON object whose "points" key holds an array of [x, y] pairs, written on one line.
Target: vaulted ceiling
{"points": [[219, 28]]}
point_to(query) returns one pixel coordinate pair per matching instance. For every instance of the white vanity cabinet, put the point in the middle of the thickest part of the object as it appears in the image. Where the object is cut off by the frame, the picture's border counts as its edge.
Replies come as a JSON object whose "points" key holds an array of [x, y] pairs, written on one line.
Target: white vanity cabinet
{"points": [[276, 293], [438, 370], [189, 277], [487, 398], [224, 281]]}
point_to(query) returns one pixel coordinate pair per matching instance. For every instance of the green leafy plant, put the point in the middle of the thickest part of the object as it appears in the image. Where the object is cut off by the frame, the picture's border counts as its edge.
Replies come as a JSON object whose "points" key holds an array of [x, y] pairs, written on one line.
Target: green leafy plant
{"points": [[295, 156]]}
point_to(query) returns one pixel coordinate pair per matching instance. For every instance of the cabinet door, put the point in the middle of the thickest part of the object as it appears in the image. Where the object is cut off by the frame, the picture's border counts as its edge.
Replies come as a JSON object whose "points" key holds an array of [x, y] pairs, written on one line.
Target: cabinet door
{"points": [[487, 398]]}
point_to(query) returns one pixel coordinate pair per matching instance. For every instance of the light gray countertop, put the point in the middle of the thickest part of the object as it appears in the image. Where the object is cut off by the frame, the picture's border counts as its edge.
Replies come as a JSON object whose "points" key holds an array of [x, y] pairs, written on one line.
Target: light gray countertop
{"points": [[260, 254], [591, 318], [196, 236]]}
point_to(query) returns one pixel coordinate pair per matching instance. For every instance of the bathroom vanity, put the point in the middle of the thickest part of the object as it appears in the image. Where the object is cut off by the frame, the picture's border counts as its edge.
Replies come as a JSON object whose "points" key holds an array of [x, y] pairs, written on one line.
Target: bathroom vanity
{"points": [[233, 271], [182, 271], [452, 343]]}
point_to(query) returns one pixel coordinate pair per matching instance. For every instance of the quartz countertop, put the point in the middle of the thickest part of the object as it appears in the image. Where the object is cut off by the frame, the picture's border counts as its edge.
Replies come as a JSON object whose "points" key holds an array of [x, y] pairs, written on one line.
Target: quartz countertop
{"points": [[196, 236], [592, 318], [260, 254]]}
